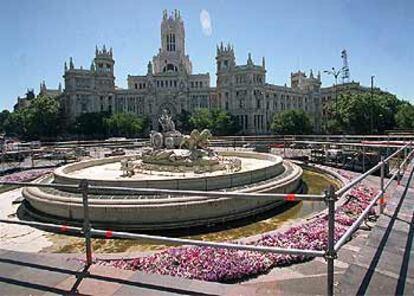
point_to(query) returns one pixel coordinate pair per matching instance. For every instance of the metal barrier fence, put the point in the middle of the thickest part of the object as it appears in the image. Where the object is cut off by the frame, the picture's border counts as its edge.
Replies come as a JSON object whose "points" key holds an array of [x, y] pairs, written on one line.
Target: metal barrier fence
{"points": [[329, 196]]}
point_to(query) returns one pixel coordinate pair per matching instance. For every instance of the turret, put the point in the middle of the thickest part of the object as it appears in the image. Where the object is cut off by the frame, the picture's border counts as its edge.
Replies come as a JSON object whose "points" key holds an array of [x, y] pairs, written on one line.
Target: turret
{"points": [[172, 33], [172, 52], [71, 66], [103, 62], [43, 86], [225, 57]]}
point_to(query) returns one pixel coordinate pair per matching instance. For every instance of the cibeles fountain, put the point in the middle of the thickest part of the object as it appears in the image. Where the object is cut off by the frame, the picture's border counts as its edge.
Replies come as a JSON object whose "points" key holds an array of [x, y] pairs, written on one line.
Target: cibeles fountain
{"points": [[173, 161]]}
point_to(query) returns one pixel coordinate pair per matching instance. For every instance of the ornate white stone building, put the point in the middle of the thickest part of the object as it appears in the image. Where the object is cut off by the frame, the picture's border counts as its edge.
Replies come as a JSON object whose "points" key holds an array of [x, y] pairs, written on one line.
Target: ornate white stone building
{"points": [[170, 84]]}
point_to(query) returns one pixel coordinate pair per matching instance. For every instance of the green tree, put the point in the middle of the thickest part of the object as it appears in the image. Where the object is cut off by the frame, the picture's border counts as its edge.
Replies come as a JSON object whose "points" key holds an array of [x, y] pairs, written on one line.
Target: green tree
{"points": [[293, 122], [44, 118], [405, 116], [91, 124], [362, 113], [125, 124], [4, 115], [201, 119], [17, 124], [224, 123], [183, 121], [219, 122]]}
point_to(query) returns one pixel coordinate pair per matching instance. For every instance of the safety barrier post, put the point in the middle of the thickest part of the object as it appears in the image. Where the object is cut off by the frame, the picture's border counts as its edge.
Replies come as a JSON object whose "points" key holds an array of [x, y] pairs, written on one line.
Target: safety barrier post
{"points": [[363, 158], [330, 254], [382, 198], [86, 222], [399, 162]]}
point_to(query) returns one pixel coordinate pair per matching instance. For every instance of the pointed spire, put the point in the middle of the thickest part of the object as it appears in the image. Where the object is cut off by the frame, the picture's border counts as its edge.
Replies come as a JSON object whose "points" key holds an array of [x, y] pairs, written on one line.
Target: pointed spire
{"points": [[110, 51], [71, 66], [164, 14], [104, 49], [319, 75], [263, 62], [93, 67], [311, 74], [43, 86], [60, 87], [96, 50], [221, 46], [66, 67]]}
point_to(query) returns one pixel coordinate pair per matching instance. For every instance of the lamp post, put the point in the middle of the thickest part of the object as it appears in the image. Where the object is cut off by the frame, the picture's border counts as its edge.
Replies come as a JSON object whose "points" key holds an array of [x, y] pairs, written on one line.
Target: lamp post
{"points": [[335, 74], [372, 98]]}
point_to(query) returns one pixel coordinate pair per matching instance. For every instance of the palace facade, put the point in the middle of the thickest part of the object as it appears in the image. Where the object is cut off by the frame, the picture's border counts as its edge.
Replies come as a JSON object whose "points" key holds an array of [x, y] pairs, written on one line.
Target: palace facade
{"points": [[171, 84]]}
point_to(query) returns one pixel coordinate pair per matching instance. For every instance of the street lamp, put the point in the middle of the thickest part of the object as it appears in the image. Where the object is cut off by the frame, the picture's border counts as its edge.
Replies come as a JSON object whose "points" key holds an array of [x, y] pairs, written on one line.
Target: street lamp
{"points": [[372, 98], [335, 74]]}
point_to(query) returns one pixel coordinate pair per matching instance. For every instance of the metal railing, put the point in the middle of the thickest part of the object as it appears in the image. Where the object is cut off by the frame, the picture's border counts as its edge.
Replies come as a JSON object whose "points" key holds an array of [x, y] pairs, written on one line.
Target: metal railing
{"points": [[329, 196]]}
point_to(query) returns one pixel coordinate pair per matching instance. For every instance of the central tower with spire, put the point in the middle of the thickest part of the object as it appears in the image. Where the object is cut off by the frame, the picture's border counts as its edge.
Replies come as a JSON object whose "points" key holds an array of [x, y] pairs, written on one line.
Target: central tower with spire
{"points": [[171, 56]]}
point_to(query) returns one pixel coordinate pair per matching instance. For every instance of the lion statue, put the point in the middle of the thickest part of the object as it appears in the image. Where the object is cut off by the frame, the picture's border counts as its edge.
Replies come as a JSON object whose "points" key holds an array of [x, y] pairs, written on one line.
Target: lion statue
{"points": [[196, 140], [204, 140]]}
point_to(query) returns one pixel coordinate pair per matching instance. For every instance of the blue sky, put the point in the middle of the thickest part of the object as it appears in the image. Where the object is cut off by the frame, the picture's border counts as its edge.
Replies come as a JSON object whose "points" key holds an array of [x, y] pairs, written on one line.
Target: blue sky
{"points": [[37, 37]]}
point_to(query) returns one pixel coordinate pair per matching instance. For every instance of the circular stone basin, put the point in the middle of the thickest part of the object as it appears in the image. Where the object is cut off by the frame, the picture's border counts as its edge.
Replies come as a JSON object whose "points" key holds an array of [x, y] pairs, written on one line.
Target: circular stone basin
{"points": [[260, 172]]}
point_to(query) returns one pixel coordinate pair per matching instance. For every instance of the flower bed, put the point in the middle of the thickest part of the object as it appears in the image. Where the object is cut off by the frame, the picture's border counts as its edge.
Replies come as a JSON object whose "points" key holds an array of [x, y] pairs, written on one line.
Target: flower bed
{"points": [[25, 176], [223, 265]]}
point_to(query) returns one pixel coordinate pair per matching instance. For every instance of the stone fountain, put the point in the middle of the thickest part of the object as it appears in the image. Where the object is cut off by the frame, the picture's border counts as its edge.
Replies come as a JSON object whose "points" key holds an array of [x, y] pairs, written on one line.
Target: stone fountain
{"points": [[173, 161], [171, 151]]}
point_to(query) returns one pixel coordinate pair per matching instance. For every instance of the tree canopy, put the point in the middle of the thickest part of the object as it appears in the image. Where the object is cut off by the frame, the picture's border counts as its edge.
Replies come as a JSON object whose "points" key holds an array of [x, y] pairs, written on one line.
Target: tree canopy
{"points": [[405, 116], [42, 119], [219, 122], [91, 124], [125, 124], [291, 122], [362, 113], [4, 115]]}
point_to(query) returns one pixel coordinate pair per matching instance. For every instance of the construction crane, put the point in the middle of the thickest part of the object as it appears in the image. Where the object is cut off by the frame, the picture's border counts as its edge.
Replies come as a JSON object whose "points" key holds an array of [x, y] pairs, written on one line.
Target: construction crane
{"points": [[345, 66]]}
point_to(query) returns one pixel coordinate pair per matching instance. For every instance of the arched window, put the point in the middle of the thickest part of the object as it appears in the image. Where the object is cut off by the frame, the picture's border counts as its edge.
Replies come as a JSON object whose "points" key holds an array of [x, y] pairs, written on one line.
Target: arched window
{"points": [[170, 68]]}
